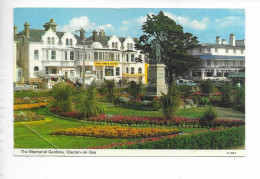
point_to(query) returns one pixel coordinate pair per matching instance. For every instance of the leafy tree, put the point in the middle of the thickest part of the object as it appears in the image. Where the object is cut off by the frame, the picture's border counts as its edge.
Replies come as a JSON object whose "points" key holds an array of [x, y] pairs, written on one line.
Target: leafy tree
{"points": [[171, 102], [165, 42], [134, 89], [208, 116], [207, 87], [63, 92], [185, 90], [226, 94]]}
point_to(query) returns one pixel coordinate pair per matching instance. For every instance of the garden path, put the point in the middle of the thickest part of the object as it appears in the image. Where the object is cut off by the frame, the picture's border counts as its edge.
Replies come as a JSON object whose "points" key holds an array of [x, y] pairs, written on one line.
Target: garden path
{"points": [[228, 113]]}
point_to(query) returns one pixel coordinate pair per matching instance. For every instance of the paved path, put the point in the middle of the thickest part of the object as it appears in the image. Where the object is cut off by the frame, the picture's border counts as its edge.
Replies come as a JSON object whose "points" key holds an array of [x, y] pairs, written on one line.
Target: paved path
{"points": [[228, 113]]}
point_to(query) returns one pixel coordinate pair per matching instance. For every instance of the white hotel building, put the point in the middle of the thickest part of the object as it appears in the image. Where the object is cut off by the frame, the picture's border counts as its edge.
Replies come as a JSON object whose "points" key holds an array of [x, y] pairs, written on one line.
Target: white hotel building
{"points": [[219, 60], [43, 55]]}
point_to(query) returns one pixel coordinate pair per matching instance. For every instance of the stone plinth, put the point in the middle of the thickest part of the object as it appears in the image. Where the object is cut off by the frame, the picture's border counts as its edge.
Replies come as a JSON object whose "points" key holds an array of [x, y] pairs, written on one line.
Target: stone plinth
{"points": [[156, 77]]}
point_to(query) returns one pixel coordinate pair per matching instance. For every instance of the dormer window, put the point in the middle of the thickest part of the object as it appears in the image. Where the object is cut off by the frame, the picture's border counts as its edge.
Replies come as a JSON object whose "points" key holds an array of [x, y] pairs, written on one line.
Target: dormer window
{"points": [[113, 44], [70, 42], [67, 42], [131, 46], [116, 45], [49, 40], [128, 46], [52, 40]]}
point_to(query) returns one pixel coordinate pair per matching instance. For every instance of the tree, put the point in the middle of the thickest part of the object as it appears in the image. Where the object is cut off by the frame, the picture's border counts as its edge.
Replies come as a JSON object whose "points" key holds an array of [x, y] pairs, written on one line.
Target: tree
{"points": [[165, 42], [207, 87], [110, 86], [134, 89]]}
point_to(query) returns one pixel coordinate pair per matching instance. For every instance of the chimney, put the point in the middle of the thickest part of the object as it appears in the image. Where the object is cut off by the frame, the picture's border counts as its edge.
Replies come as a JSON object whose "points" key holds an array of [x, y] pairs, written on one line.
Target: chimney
{"points": [[15, 30], [49, 25], [26, 29], [232, 40], [102, 32], [224, 41], [82, 34], [95, 35], [218, 40]]}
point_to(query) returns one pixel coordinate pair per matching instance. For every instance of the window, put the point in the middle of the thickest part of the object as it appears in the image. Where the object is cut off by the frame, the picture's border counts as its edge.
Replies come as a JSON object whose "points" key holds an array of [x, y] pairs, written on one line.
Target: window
{"points": [[70, 42], [111, 56], [140, 57], [95, 55], [52, 40], [49, 40], [100, 56], [128, 46], [215, 63], [71, 55], [208, 49], [127, 70], [208, 62], [132, 70], [131, 46], [36, 70], [242, 51], [109, 71], [66, 55], [106, 56], [140, 70], [127, 58], [117, 71], [116, 45], [54, 71], [132, 57], [226, 50], [53, 55], [200, 50], [36, 54], [234, 51], [113, 44], [241, 63], [46, 70], [234, 63], [226, 62], [67, 42], [216, 50]]}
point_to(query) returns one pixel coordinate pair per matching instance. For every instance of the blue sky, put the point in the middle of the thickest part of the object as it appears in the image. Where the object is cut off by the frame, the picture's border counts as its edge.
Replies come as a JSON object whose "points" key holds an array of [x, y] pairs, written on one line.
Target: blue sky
{"points": [[206, 24]]}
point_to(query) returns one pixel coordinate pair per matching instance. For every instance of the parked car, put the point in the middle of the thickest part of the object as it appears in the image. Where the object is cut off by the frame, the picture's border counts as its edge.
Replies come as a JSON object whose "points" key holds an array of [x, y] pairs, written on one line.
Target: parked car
{"points": [[185, 82]]}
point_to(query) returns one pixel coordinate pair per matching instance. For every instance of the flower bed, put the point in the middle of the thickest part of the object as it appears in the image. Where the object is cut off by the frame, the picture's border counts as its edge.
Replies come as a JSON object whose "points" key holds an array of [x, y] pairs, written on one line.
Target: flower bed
{"points": [[33, 100], [29, 116], [30, 106], [115, 132], [207, 139]]}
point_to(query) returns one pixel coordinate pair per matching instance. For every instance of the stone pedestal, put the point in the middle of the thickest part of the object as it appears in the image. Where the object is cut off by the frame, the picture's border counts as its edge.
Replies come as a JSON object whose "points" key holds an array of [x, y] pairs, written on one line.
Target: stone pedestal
{"points": [[156, 77]]}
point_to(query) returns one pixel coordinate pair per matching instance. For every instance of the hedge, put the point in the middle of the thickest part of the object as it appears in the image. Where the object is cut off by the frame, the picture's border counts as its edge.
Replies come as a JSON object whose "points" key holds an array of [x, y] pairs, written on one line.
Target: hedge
{"points": [[218, 139]]}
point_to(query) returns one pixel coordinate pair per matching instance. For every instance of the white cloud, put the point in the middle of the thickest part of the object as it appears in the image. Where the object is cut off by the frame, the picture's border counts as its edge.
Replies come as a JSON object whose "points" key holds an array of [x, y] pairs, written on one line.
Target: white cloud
{"points": [[229, 21], [188, 22], [83, 22]]}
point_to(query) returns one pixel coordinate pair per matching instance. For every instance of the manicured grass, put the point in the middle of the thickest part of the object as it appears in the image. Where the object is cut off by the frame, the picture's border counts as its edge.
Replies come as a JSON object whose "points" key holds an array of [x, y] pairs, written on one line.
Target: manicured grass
{"points": [[189, 112], [38, 135]]}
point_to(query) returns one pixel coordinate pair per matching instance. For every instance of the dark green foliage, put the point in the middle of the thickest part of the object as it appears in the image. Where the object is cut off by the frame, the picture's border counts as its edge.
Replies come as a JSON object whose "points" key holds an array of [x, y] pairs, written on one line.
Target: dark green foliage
{"points": [[239, 99], [134, 89], [63, 95], [156, 104], [110, 86], [226, 94], [87, 104], [185, 91], [207, 87], [171, 102], [208, 116], [204, 101], [161, 32], [219, 139]]}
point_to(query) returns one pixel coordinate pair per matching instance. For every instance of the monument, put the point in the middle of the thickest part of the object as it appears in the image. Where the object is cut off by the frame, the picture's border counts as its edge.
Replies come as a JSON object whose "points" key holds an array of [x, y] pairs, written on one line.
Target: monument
{"points": [[156, 72]]}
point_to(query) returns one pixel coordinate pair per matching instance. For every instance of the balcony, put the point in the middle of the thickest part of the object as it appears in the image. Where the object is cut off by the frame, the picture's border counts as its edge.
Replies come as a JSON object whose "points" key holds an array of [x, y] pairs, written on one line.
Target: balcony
{"points": [[56, 63]]}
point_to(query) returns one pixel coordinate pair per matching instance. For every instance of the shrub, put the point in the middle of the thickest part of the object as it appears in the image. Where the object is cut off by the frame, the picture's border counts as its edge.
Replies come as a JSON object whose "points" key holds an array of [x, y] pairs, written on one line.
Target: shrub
{"points": [[208, 116], [185, 91], [171, 102], [156, 104], [134, 89], [226, 94], [87, 104], [239, 99], [29, 116], [213, 139], [207, 87], [62, 92], [204, 101], [110, 86]]}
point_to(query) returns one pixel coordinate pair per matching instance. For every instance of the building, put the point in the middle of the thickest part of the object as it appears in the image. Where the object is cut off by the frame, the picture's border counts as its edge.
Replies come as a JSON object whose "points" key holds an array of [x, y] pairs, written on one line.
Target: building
{"points": [[219, 60], [49, 55]]}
